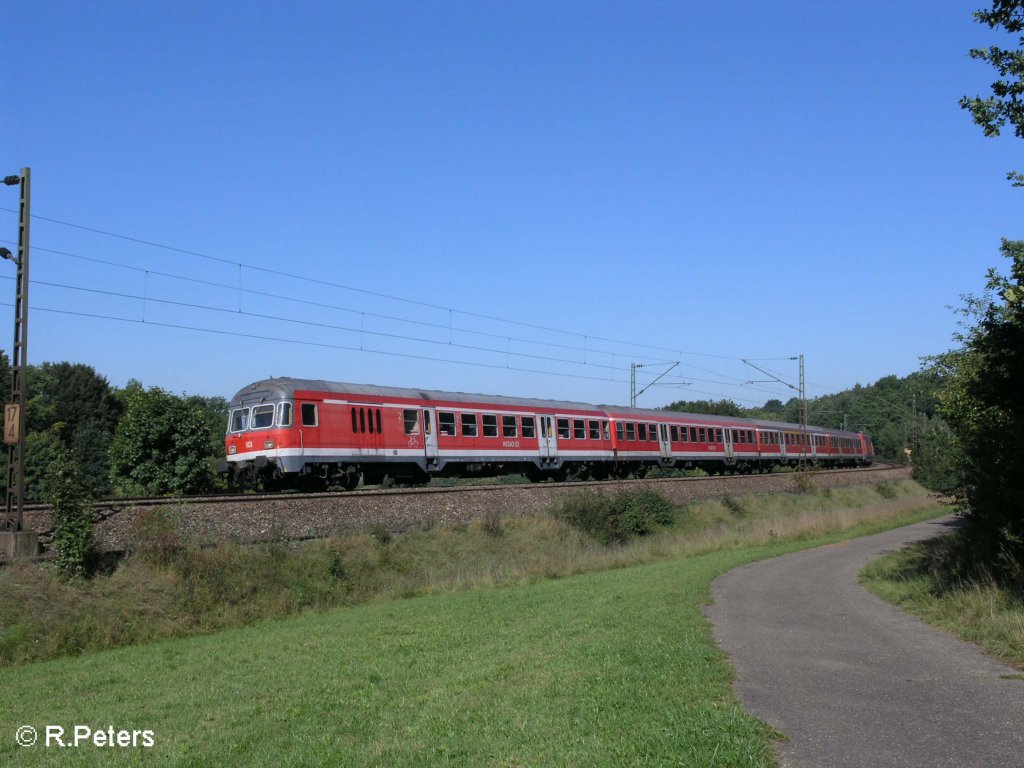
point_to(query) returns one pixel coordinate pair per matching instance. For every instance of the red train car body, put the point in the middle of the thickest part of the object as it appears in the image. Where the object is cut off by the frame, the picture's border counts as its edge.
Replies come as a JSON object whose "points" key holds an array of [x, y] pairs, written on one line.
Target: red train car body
{"points": [[311, 433]]}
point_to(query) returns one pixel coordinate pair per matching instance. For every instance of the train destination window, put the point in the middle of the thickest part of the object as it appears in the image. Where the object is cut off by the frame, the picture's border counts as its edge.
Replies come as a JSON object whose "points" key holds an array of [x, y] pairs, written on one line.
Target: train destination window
{"points": [[508, 426], [446, 423], [262, 416], [309, 415], [630, 430], [469, 425], [529, 428], [284, 414], [562, 425], [675, 433], [595, 430], [618, 431], [641, 432], [239, 419], [411, 420], [490, 425]]}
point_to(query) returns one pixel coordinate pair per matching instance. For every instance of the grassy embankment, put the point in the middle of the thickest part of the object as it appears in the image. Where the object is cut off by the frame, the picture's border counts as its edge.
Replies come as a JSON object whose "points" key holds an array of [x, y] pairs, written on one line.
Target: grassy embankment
{"points": [[165, 591], [979, 610], [506, 666]]}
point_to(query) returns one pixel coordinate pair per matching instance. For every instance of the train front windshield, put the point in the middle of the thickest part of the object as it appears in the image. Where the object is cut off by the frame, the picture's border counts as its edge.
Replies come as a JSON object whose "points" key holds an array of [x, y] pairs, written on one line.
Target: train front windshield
{"points": [[262, 416]]}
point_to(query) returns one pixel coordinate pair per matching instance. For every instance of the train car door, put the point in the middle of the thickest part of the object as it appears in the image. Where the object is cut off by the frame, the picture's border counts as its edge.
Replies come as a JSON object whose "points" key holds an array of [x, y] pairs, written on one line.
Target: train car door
{"points": [[546, 438], [429, 433], [782, 444], [663, 441], [727, 435]]}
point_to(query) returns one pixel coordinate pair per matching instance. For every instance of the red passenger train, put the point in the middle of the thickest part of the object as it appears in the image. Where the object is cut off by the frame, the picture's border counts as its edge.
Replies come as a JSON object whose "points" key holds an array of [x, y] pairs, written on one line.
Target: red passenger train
{"points": [[297, 432]]}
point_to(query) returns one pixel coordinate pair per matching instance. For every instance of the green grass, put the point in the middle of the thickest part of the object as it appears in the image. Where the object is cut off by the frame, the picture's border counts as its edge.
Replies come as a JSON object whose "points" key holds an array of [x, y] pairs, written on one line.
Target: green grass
{"points": [[979, 611], [170, 593], [609, 668]]}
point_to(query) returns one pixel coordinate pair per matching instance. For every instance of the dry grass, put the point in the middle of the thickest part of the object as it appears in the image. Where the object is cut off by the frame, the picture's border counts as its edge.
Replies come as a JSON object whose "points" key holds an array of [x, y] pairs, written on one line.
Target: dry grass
{"points": [[198, 591]]}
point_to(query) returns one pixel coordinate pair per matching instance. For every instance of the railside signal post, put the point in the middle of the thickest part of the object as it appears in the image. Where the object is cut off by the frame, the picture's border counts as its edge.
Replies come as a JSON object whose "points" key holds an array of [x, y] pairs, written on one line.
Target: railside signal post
{"points": [[16, 543]]}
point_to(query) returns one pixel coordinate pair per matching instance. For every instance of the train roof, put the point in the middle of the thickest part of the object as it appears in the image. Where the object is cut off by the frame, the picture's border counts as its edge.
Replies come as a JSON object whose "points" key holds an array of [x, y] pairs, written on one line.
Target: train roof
{"points": [[272, 389], [285, 387]]}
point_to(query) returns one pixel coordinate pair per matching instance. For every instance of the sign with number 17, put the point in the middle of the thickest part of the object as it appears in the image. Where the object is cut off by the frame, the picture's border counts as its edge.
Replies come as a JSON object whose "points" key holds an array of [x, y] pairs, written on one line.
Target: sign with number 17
{"points": [[12, 423]]}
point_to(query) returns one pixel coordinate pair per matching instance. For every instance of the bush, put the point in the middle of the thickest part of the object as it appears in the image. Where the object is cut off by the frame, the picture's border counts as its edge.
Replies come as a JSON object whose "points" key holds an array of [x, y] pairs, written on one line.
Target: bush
{"points": [[734, 505], [73, 516], [615, 519]]}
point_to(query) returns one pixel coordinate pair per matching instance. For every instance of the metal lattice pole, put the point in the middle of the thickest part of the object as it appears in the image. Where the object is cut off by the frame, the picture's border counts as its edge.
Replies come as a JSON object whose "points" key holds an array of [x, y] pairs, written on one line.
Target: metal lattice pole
{"points": [[14, 410]]}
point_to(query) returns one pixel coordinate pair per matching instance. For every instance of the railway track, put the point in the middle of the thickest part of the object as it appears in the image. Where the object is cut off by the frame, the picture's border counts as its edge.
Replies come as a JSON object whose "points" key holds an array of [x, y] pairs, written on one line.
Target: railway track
{"points": [[376, 491], [251, 518]]}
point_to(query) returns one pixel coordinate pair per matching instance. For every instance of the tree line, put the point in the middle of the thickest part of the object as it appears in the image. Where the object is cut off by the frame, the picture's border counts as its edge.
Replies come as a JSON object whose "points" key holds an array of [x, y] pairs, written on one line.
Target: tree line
{"points": [[126, 441]]}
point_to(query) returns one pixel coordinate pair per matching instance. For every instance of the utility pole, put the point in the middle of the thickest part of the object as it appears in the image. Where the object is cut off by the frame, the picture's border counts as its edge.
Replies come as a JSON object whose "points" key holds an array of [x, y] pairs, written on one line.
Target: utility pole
{"points": [[633, 394], [803, 418], [15, 542], [801, 394]]}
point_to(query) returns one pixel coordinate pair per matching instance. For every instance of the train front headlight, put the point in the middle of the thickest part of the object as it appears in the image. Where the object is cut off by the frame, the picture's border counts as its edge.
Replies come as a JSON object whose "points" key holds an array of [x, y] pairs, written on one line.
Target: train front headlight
{"points": [[232, 449], [268, 445]]}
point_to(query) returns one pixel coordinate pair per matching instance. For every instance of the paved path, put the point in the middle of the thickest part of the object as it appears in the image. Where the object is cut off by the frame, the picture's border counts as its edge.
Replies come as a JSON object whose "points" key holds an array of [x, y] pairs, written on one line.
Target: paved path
{"points": [[852, 680]]}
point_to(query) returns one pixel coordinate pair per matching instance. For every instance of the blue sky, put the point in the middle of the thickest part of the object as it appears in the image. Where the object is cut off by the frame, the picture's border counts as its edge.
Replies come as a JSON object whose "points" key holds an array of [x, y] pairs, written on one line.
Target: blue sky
{"points": [[626, 182]]}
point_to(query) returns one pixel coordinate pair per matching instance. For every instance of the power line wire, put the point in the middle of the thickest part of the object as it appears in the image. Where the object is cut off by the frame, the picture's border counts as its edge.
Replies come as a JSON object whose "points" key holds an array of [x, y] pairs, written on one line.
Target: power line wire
{"points": [[341, 286]]}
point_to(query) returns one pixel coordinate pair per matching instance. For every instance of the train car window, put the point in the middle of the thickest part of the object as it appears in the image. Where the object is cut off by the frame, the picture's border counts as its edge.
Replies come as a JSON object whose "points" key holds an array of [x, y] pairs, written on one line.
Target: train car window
{"points": [[469, 425], [579, 429], [562, 425], [674, 429], [262, 416], [719, 436], [508, 426], [607, 433], [369, 418], [619, 434], [284, 415], [490, 425], [652, 432], [379, 429], [411, 420], [630, 430], [641, 432], [446, 423], [355, 421], [362, 420], [529, 428], [309, 416], [594, 430], [693, 434], [703, 435], [239, 419], [426, 422]]}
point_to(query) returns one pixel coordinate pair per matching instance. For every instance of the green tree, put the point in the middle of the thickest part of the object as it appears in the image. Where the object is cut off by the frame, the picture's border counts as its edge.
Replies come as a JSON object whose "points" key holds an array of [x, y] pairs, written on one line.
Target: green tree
{"points": [[983, 402], [1006, 104], [715, 407], [70, 496], [162, 444], [78, 405]]}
